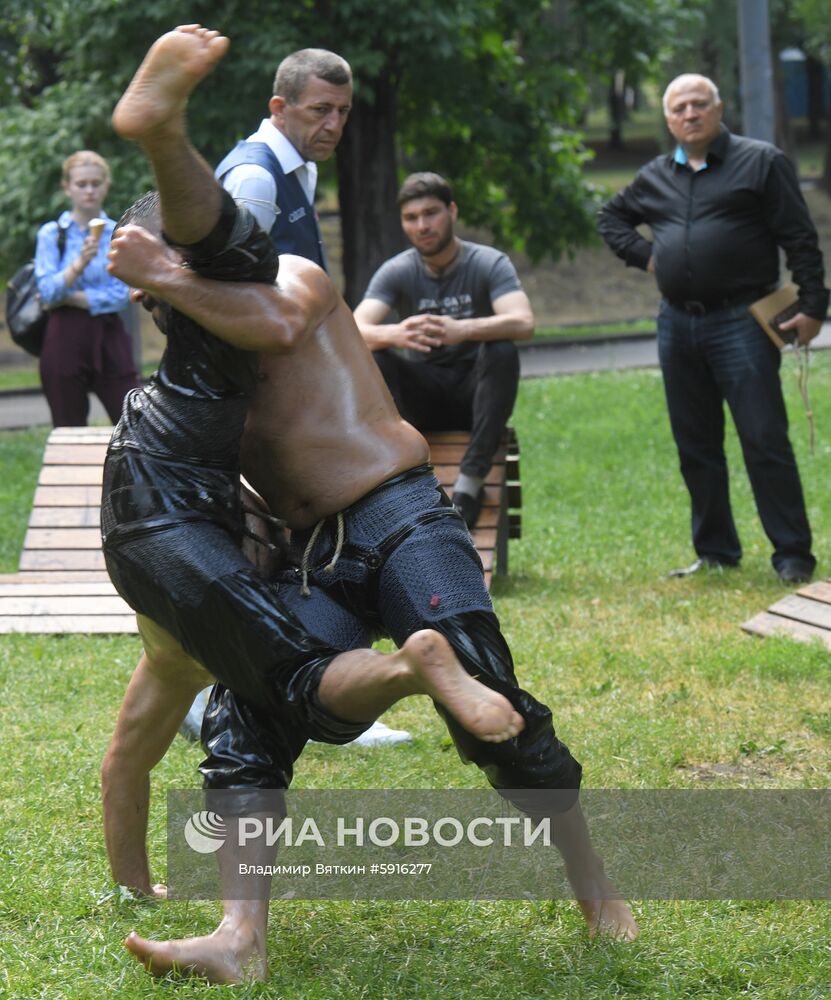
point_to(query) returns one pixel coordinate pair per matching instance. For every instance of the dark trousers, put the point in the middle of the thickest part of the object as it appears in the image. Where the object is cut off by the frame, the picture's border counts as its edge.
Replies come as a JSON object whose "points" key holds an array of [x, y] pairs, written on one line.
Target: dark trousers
{"points": [[407, 563], [476, 395], [724, 356], [84, 354]]}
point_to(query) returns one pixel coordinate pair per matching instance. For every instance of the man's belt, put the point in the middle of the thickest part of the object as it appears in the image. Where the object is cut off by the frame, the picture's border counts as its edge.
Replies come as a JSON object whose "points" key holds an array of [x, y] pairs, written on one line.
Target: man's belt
{"points": [[699, 307]]}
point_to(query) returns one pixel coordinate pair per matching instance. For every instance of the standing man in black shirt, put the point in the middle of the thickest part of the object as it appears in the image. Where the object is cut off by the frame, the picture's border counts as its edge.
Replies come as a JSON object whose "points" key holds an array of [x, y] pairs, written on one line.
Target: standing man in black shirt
{"points": [[720, 207]]}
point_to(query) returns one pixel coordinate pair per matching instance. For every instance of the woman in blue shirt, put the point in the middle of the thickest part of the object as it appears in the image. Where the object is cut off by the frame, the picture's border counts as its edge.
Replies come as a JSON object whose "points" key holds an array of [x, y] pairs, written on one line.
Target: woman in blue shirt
{"points": [[86, 347]]}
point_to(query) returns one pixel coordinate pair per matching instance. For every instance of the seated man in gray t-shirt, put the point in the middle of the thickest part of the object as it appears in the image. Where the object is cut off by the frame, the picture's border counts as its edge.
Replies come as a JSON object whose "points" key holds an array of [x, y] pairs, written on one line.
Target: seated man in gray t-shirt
{"points": [[460, 306]]}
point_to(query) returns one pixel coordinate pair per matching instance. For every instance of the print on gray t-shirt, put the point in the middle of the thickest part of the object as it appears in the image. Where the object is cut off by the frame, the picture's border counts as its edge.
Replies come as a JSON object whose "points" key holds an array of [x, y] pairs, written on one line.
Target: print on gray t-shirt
{"points": [[480, 275]]}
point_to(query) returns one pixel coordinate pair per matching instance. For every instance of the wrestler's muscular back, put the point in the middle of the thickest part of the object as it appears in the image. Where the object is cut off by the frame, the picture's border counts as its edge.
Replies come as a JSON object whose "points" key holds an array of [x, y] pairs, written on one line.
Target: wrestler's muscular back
{"points": [[322, 429]]}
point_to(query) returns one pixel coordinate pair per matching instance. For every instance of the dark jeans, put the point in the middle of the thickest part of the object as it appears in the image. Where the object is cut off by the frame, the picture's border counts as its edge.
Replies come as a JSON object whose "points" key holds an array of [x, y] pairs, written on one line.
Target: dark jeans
{"points": [[475, 395], [707, 360]]}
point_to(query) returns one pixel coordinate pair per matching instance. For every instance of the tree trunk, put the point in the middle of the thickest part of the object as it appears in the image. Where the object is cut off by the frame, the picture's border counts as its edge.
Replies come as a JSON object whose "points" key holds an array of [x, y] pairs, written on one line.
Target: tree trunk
{"points": [[783, 128], [617, 109], [825, 180], [814, 79], [367, 188]]}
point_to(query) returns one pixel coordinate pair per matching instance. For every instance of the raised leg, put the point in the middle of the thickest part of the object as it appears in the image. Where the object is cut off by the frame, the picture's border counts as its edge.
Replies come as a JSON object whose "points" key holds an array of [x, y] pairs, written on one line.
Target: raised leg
{"points": [[152, 113], [361, 685]]}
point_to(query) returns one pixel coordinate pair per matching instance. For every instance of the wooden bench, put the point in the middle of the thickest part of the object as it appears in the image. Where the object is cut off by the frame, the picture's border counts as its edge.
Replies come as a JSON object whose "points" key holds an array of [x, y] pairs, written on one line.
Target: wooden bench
{"points": [[62, 585], [500, 518]]}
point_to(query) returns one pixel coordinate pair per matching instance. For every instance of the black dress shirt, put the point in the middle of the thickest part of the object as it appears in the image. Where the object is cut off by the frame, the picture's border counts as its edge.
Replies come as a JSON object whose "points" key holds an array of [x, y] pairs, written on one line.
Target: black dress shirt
{"points": [[716, 231]]}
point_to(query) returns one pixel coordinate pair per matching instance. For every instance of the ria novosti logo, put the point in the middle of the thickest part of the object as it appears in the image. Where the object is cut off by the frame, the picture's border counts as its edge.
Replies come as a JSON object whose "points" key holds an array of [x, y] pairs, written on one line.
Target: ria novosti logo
{"points": [[205, 832]]}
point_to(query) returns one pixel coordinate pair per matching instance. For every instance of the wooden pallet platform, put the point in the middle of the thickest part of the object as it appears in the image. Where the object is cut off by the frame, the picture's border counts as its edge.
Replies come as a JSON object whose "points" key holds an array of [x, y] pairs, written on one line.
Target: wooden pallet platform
{"points": [[62, 585], [805, 615]]}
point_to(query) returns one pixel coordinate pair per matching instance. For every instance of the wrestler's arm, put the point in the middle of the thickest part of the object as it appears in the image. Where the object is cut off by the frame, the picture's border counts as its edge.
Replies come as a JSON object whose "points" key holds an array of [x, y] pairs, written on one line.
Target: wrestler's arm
{"points": [[250, 315]]}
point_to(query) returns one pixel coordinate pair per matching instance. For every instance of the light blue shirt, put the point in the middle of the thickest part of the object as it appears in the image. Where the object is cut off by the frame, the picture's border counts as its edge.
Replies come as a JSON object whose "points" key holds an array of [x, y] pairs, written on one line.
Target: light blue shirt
{"points": [[681, 158], [105, 293]]}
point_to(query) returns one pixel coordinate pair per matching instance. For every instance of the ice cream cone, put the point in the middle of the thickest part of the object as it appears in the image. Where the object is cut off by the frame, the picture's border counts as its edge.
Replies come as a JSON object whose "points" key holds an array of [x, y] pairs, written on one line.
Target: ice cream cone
{"points": [[96, 227]]}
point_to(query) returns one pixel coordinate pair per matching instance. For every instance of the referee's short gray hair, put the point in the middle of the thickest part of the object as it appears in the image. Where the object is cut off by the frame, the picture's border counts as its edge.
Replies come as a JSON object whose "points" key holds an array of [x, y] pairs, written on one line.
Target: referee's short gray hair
{"points": [[294, 71]]}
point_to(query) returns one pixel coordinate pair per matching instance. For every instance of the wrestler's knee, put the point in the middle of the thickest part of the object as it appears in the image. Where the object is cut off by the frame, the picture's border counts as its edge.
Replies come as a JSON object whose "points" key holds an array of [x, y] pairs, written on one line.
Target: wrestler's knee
{"points": [[167, 661], [533, 759]]}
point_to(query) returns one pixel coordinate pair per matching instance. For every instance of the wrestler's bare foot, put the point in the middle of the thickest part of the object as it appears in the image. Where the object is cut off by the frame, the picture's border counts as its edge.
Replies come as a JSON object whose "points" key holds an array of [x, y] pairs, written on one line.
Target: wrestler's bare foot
{"points": [[436, 672], [157, 891], [226, 956], [171, 69], [609, 918]]}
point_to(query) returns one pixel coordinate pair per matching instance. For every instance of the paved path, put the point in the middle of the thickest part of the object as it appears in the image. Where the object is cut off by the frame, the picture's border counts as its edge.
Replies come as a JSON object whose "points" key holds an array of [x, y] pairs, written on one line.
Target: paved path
{"points": [[555, 356], [569, 357]]}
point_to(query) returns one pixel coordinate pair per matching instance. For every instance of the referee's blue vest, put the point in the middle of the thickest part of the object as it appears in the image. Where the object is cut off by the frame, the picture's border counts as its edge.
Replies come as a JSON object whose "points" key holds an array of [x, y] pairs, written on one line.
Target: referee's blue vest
{"points": [[295, 229]]}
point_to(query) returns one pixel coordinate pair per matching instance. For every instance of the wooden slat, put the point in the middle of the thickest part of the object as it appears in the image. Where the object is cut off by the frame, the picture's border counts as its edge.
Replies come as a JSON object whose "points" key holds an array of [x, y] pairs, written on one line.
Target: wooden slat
{"points": [[61, 560], [514, 494], [484, 538], [448, 473], [71, 475], [492, 497], [62, 538], [60, 624], [820, 590], [487, 559], [17, 586], [488, 517], [65, 517], [803, 610], [447, 454], [68, 496], [44, 576], [62, 604], [448, 437], [68, 453], [766, 625], [91, 433]]}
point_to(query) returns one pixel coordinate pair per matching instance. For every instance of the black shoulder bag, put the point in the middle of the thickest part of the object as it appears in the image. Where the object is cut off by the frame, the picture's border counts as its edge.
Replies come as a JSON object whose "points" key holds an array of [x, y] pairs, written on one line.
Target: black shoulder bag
{"points": [[26, 314]]}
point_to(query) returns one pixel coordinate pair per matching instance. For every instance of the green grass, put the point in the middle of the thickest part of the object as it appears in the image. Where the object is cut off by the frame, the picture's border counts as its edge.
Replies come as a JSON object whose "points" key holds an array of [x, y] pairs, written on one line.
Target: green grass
{"points": [[652, 684], [591, 330], [25, 376]]}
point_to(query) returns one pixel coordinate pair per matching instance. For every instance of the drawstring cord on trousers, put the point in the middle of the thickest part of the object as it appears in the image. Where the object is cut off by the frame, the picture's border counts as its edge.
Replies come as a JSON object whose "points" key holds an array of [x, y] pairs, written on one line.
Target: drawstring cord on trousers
{"points": [[307, 552]]}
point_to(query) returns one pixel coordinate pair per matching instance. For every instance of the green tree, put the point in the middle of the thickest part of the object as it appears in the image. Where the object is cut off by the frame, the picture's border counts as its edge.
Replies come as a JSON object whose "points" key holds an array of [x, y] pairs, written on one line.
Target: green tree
{"points": [[485, 91], [618, 44]]}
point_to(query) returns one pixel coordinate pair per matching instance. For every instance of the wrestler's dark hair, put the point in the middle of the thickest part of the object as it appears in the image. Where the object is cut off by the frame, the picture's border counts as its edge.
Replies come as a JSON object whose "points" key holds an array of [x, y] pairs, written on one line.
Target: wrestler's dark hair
{"points": [[424, 185], [146, 212], [294, 71]]}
